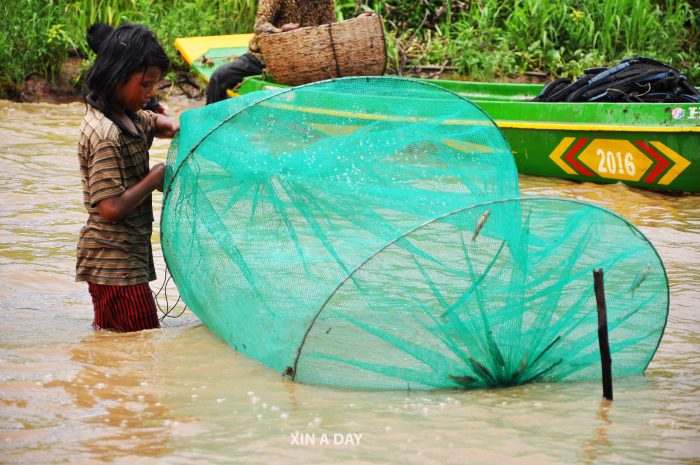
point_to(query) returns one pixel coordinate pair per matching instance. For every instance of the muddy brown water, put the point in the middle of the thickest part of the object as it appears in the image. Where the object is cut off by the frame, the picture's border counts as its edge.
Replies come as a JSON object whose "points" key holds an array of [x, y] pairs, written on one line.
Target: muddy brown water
{"points": [[179, 395]]}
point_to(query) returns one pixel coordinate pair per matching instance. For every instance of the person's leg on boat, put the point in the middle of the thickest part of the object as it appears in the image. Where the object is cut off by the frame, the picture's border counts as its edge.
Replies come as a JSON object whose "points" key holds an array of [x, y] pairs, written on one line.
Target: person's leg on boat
{"points": [[230, 75]]}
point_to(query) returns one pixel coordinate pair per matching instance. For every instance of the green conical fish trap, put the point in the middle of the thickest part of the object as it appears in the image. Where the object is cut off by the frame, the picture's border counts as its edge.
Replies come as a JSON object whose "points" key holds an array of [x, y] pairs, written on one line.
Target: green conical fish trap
{"points": [[367, 232]]}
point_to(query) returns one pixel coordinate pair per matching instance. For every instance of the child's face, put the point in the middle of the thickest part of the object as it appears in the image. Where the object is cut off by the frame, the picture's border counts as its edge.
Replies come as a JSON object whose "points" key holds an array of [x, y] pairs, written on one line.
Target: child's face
{"points": [[133, 94]]}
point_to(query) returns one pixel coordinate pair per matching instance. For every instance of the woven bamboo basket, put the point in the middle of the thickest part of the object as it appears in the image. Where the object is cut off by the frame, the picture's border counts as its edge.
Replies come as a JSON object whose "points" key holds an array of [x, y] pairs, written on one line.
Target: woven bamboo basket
{"points": [[354, 47]]}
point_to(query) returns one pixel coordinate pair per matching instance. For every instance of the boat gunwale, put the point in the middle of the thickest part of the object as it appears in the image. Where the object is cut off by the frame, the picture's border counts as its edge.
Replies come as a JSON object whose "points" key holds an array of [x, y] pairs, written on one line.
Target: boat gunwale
{"points": [[549, 120]]}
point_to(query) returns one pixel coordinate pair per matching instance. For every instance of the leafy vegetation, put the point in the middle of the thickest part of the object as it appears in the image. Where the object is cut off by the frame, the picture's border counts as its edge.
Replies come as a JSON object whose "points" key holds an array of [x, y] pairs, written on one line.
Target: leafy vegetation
{"points": [[490, 39], [476, 39], [38, 35]]}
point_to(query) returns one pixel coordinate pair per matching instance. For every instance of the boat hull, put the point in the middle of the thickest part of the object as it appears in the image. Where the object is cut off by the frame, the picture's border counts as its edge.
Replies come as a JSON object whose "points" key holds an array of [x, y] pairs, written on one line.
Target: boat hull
{"points": [[646, 145], [647, 160]]}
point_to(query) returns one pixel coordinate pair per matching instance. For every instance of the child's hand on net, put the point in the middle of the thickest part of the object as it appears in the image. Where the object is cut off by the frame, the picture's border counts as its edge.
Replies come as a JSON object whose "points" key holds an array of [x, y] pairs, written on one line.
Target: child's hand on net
{"points": [[158, 175], [166, 127]]}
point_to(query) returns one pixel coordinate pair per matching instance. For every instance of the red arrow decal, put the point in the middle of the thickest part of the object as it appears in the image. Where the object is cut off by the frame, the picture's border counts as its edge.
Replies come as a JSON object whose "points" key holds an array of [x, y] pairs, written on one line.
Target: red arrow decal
{"points": [[569, 157], [660, 165]]}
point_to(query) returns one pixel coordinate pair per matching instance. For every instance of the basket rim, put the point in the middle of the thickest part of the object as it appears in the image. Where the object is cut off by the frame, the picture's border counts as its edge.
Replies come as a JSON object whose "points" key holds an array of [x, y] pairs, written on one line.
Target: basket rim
{"points": [[295, 71]]}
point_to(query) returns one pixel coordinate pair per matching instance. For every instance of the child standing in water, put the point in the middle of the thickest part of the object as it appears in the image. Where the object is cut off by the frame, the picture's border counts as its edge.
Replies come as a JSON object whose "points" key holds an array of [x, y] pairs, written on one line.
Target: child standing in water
{"points": [[114, 247]]}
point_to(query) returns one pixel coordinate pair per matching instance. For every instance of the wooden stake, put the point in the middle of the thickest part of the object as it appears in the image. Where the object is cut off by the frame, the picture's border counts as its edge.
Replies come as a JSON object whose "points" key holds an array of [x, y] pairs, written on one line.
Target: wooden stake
{"points": [[605, 359]]}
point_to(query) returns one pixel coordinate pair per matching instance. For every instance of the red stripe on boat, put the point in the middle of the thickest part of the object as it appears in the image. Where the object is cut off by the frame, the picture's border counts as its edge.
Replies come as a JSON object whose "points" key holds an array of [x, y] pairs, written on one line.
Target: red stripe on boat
{"points": [[573, 162], [661, 162]]}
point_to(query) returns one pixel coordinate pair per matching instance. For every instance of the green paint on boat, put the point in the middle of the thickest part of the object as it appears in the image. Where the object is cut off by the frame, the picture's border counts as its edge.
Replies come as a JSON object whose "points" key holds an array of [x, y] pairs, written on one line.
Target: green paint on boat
{"points": [[205, 65], [653, 146]]}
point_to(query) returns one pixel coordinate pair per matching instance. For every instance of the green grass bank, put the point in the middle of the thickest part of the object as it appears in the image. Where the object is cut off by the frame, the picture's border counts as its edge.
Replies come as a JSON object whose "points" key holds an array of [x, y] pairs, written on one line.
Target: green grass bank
{"points": [[472, 39]]}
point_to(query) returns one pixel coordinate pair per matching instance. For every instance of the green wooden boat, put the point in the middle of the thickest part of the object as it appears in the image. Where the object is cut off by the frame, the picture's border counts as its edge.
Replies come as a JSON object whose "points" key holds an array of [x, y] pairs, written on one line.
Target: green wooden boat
{"points": [[646, 145]]}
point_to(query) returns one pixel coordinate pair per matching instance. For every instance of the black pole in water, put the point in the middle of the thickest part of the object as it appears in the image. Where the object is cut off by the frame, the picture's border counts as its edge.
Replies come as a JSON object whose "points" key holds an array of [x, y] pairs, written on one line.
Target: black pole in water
{"points": [[605, 359]]}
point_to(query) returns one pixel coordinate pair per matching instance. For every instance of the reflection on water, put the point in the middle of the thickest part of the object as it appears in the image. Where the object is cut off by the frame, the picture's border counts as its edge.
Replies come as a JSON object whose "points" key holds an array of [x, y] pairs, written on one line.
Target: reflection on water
{"points": [[115, 384], [180, 395], [599, 441]]}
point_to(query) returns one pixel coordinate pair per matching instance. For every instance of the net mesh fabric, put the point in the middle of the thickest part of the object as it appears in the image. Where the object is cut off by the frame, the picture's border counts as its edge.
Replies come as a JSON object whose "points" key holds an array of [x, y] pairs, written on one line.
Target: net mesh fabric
{"points": [[447, 306], [326, 231]]}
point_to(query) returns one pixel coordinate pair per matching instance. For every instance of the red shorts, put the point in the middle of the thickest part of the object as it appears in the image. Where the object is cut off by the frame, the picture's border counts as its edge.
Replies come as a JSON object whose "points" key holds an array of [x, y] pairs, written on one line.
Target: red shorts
{"points": [[123, 308]]}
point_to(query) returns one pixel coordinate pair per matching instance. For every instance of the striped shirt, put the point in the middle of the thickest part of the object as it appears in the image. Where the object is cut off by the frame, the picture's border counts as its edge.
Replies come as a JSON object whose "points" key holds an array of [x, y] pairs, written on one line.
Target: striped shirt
{"points": [[273, 14], [112, 159]]}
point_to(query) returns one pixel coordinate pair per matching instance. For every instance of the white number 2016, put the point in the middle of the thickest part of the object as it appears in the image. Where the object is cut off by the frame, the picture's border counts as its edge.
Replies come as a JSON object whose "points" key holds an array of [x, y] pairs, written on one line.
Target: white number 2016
{"points": [[612, 163]]}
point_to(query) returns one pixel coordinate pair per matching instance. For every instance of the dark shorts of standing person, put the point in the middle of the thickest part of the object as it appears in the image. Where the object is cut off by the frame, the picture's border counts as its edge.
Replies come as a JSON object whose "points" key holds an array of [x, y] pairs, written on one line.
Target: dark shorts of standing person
{"points": [[123, 308], [230, 75]]}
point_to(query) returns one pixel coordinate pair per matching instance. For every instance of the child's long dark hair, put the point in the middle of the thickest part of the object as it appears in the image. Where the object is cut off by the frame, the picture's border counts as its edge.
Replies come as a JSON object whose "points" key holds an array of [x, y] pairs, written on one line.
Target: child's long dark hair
{"points": [[129, 49], [97, 35]]}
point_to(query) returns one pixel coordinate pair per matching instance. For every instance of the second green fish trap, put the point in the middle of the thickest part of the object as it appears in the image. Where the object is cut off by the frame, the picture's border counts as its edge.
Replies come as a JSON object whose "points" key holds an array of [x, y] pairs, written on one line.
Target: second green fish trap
{"points": [[368, 233]]}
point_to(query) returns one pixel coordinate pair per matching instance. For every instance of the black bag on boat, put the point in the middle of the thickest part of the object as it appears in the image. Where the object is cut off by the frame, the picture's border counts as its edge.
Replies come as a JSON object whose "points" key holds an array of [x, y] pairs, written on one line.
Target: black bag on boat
{"points": [[633, 80]]}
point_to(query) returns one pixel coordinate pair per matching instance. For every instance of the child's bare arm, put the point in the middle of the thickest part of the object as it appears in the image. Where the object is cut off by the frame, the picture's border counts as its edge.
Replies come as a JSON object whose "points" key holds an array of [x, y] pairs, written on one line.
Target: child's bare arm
{"points": [[165, 127], [113, 208]]}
